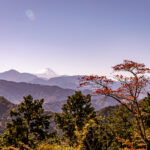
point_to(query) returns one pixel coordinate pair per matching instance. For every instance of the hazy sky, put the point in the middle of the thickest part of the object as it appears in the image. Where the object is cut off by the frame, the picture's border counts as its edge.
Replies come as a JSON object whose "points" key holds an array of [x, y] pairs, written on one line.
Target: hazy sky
{"points": [[73, 36]]}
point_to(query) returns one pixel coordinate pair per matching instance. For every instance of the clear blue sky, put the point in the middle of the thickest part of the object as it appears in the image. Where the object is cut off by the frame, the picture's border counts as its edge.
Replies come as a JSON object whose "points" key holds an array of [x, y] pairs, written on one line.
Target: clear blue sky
{"points": [[73, 36]]}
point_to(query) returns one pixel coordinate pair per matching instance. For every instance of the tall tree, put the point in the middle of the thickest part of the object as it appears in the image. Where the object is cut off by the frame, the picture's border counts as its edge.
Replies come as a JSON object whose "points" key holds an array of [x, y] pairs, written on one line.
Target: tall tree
{"points": [[127, 94], [145, 103], [121, 125], [75, 113], [95, 135], [29, 124]]}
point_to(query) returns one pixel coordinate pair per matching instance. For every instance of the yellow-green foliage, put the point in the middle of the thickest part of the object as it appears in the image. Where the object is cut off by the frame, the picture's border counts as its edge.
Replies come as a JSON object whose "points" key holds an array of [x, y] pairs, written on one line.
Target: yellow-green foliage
{"points": [[10, 148], [54, 147]]}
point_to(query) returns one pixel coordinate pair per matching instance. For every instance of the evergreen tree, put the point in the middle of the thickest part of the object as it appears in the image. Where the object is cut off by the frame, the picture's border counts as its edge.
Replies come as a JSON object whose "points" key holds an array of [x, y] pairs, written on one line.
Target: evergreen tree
{"points": [[146, 110], [121, 126], [29, 124], [89, 138], [75, 113]]}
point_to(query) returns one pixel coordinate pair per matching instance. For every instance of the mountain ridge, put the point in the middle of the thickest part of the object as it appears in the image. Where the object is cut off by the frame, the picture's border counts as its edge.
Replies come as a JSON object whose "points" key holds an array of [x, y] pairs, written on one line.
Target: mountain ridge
{"points": [[54, 96], [63, 81], [16, 76]]}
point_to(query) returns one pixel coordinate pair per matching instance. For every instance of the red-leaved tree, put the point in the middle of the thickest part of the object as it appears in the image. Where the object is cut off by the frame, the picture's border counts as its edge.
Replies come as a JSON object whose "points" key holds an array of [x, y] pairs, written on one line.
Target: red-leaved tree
{"points": [[128, 92]]}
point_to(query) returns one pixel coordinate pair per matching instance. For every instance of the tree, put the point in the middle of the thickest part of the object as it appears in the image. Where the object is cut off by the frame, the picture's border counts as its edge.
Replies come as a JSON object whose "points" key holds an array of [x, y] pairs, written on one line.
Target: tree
{"points": [[29, 124], [75, 113], [121, 125], [127, 94], [95, 135], [146, 110], [90, 137]]}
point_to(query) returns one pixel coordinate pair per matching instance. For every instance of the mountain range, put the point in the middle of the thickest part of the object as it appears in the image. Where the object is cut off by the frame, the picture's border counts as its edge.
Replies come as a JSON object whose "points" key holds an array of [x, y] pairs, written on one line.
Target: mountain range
{"points": [[54, 96], [70, 82], [14, 85], [13, 75]]}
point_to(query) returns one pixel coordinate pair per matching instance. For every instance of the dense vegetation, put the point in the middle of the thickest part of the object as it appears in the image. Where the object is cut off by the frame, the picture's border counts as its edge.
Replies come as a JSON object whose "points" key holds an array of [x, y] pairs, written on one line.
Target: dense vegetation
{"points": [[79, 126]]}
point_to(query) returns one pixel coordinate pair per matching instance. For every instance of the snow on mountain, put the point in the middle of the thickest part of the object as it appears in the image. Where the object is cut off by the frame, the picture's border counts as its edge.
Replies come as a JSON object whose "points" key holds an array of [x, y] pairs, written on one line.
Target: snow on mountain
{"points": [[46, 73]]}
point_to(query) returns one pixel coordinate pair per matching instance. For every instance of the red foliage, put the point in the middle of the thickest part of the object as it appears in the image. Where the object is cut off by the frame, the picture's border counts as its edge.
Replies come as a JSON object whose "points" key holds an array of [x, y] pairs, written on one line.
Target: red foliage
{"points": [[132, 67], [130, 87], [127, 93]]}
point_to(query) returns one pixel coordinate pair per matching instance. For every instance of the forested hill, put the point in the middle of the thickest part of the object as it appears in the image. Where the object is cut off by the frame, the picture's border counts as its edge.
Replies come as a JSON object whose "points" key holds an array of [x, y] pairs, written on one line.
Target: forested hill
{"points": [[15, 91], [54, 96], [5, 107]]}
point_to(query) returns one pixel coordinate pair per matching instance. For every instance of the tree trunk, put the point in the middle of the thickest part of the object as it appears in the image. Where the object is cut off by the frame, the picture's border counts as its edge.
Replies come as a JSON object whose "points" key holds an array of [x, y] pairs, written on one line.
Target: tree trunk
{"points": [[147, 145]]}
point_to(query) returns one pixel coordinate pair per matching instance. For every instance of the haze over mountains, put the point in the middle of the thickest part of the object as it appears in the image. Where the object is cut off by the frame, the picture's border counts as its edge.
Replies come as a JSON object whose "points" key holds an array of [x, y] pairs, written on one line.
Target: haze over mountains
{"points": [[13, 75], [61, 81], [14, 85]]}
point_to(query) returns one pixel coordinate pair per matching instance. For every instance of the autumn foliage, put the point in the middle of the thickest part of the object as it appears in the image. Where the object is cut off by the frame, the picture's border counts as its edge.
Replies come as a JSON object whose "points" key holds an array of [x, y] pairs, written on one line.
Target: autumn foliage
{"points": [[131, 86], [79, 126]]}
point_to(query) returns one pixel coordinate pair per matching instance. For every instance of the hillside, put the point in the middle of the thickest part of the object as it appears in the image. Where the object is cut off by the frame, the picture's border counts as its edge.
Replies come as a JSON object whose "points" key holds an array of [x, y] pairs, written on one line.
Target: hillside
{"points": [[107, 111], [54, 96], [15, 91], [5, 107], [71, 82]]}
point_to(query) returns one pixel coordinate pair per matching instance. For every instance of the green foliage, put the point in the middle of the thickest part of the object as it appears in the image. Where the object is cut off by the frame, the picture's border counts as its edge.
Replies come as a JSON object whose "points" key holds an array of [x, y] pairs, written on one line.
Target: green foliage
{"points": [[115, 131], [75, 113], [112, 128], [29, 124], [122, 127], [5, 107], [146, 110], [90, 137], [54, 147]]}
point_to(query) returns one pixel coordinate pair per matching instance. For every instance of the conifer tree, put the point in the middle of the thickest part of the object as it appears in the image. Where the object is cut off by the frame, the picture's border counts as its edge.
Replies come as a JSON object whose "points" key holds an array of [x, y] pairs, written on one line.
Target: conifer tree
{"points": [[146, 110], [121, 125], [29, 124], [75, 114]]}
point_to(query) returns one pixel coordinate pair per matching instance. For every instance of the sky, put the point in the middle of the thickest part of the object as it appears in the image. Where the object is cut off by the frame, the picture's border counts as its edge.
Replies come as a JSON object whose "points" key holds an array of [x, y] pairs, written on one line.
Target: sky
{"points": [[73, 37]]}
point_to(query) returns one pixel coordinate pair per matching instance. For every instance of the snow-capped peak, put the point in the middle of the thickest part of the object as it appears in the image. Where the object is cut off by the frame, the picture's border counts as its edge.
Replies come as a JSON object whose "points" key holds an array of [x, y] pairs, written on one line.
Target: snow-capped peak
{"points": [[46, 73]]}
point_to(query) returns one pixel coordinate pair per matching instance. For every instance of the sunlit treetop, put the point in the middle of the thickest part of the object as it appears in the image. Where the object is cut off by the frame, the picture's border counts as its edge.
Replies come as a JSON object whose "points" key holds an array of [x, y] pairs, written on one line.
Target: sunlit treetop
{"points": [[132, 67], [128, 89]]}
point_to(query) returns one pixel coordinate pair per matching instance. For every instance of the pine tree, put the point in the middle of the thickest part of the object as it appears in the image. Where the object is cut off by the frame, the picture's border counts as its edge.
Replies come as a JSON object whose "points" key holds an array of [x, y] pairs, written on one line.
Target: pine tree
{"points": [[121, 125], [75, 113], [29, 124], [146, 110]]}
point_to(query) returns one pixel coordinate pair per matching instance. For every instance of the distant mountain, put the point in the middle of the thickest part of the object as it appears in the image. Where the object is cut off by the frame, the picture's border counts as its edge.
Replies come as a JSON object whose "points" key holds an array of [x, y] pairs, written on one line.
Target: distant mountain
{"points": [[97, 102], [107, 111], [71, 82], [54, 96], [13, 75], [15, 91], [47, 73], [100, 102]]}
